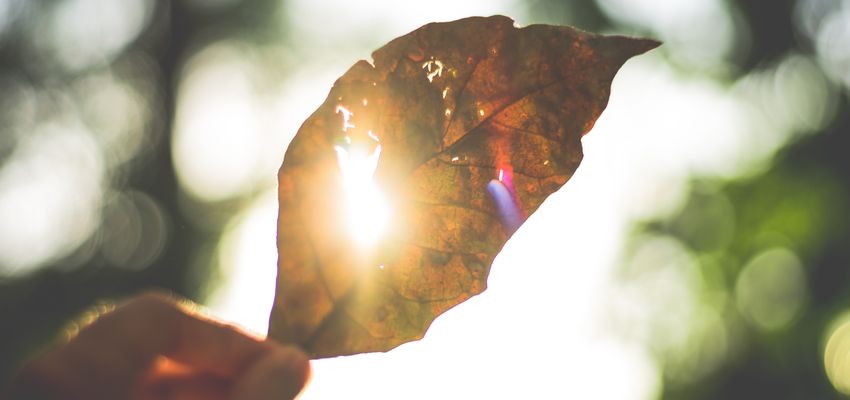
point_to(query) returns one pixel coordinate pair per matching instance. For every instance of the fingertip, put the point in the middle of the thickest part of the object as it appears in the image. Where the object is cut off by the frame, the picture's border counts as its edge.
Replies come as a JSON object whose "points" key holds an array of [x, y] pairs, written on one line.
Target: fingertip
{"points": [[280, 374], [295, 362]]}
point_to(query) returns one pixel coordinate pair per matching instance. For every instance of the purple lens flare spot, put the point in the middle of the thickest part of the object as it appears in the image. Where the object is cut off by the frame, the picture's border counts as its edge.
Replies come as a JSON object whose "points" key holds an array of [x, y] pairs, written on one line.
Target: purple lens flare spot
{"points": [[510, 212]]}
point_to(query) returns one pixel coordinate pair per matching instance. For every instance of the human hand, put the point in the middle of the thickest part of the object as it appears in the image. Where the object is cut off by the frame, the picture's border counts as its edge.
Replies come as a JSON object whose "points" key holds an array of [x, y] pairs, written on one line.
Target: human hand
{"points": [[152, 348]]}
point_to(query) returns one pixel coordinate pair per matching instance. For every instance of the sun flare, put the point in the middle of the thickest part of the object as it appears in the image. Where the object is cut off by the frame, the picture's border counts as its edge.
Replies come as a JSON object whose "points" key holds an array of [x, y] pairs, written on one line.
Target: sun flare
{"points": [[367, 211]]}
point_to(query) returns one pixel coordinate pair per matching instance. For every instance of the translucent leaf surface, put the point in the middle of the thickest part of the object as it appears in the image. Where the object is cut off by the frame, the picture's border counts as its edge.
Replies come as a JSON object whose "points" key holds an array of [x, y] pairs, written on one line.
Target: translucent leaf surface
{"points": [[399, 191]]}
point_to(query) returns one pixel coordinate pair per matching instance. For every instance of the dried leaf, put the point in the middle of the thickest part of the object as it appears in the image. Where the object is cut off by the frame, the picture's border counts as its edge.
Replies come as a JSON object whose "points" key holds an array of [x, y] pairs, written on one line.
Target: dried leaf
{"points": [[411, 144]]}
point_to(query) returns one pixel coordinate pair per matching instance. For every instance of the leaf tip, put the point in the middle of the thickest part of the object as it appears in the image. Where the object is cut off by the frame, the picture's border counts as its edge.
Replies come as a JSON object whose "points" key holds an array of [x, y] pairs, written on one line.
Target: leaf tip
{"points": [[634, 46], [642, 45], [618, 49]]}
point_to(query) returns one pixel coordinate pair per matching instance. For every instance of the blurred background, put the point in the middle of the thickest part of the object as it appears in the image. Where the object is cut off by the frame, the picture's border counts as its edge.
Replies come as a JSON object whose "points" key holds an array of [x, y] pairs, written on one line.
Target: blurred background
{"points": [[701, 251]]}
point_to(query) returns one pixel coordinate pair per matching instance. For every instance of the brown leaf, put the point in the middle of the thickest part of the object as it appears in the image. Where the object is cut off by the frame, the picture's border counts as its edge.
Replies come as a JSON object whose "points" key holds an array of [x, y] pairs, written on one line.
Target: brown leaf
{"points": [[444, 111]]}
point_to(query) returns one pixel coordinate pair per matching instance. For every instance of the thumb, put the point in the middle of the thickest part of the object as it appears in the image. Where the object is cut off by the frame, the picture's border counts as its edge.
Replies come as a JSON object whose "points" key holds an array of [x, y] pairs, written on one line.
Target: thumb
{"points": [[280, 374]]}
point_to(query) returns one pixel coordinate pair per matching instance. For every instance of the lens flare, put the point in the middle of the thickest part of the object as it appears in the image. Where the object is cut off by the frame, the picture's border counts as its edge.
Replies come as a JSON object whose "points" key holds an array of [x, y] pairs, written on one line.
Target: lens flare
{"points": [[503, 193]]}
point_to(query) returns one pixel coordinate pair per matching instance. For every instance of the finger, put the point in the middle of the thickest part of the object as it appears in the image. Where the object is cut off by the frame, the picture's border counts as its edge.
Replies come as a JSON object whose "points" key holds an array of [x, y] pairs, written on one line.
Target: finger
{"points": [[153, 325], [281, 374], [183, 385], [106, 360]]}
